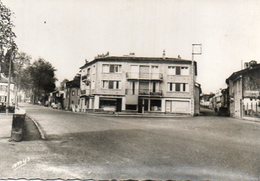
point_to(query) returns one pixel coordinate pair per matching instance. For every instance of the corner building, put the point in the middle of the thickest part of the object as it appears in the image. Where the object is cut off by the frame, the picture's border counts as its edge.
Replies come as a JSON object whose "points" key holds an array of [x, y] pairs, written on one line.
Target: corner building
{"points": [[139, 84]]}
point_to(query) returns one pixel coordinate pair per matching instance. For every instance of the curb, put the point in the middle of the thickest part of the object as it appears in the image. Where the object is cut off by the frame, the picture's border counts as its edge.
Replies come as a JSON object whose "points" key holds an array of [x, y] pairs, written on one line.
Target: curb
{"points": [[100, 114], [138, 116], [43, 137], [257, 120]]}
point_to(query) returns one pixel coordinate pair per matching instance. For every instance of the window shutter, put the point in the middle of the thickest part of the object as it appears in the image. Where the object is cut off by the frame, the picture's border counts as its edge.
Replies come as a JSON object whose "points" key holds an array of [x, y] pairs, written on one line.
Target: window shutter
{"points": [[105, 68]]}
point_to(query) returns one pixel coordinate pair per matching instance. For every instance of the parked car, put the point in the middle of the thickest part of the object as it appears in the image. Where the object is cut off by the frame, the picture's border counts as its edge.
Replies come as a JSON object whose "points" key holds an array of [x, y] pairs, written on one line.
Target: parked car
{"points": [[54, 106]]}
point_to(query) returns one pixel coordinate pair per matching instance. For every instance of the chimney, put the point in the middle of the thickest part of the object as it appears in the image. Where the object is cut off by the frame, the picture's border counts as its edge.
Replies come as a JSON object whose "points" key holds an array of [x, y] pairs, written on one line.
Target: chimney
{"points": [[86, 61], [164, 54], [246, 65], [179, 57]]}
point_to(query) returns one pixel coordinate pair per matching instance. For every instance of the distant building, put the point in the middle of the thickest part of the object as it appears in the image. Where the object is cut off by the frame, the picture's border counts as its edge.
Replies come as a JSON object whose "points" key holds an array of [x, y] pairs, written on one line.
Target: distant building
{"points": [[140, 84], [72, 94], [56, 99], [244, 91], [220, 102], [205, 99]]}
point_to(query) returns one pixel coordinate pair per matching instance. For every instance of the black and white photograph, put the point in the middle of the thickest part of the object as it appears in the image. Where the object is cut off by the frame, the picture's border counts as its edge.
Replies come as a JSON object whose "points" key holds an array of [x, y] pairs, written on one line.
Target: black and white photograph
{"points": [[130, 90]]}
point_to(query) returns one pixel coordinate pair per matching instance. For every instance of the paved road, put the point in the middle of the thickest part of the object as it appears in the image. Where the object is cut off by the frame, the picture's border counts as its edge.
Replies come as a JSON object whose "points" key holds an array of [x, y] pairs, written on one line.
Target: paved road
{"points": [[88, 146]]}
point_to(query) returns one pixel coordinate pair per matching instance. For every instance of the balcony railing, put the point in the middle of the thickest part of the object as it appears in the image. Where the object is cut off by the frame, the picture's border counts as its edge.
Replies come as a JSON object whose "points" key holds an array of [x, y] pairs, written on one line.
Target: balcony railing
{"points": [[144, 76], [143, 92], [87, 92]]}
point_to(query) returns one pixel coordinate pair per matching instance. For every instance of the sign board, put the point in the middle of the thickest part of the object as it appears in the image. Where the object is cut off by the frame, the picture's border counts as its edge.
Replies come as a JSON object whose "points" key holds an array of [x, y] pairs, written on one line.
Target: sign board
{"points": [[249, 93]]}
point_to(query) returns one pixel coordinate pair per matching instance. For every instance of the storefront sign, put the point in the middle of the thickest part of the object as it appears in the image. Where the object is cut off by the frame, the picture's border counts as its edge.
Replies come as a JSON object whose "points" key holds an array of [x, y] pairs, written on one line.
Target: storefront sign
{"points": [[252, 94]]}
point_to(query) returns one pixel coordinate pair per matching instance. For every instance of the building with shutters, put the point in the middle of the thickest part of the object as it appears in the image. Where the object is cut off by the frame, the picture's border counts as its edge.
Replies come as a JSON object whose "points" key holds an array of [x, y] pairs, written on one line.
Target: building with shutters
{"points": [[244, 91], [139, 84]]}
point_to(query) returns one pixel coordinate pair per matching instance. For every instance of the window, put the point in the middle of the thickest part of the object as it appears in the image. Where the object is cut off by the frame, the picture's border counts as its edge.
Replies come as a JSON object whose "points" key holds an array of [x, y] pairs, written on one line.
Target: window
{"points": [[171, 70], [177, 70], [105, 84], [73, 92], [178, 87], [111, 84], [88, 71], [107, 68], [184, 70], [171, 87]]}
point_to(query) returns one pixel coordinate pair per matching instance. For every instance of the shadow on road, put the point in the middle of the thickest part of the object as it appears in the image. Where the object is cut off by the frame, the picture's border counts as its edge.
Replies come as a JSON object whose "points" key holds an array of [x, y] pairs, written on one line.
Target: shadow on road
{"points": [[207, 112], [31, 133]]}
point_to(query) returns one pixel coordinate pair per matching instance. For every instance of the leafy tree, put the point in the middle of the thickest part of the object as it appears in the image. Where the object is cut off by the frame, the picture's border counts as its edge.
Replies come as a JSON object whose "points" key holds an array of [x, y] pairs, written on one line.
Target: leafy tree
{"points": [[7, 44], [21, 75], [43, 79]]}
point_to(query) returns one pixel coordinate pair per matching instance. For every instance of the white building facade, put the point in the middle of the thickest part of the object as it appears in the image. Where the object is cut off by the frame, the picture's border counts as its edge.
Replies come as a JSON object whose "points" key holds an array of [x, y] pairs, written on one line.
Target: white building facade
{"points": [[4, 92], [139, 84]]}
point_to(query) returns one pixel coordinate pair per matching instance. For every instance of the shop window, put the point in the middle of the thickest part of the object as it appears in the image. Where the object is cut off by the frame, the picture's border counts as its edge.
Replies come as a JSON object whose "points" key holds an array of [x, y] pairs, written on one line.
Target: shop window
{"points": [[155, 105]]}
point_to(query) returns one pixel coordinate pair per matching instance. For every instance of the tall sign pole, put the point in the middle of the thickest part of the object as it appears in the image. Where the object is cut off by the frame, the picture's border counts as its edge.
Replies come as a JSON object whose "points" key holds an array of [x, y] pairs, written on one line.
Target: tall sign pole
{"points": [[196, 50]]}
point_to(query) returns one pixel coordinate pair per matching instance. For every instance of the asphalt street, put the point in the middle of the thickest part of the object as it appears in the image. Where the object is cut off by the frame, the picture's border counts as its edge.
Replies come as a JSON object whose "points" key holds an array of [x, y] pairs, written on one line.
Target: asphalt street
{"points": [[80, 145]]}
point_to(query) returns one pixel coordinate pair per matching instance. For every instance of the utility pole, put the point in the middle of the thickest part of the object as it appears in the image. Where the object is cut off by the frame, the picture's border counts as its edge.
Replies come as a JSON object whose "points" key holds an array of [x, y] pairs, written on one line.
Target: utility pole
{"points": [[12, 56], [196, 50]]}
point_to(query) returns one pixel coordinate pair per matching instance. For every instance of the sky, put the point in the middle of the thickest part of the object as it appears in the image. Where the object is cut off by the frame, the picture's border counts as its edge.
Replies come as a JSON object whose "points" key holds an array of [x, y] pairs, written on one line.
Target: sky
{"points": [[66, 32]]}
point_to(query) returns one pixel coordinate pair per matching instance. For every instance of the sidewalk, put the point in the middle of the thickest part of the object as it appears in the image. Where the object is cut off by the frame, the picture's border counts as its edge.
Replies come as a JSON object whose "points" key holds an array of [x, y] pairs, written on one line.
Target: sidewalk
{"points": [[5, 126], [255, 119]]}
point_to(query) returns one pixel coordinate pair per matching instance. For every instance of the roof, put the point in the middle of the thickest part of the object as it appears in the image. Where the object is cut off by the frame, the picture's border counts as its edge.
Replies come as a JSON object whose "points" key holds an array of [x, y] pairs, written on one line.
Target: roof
{"points": [[75, 83], [138, 59], [242, 72]]}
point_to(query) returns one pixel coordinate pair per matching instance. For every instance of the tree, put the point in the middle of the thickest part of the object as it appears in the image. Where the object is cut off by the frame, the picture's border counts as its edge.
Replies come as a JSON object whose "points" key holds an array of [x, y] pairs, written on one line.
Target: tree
{"points": [[43, 79], [20, 74], [7, 43]]}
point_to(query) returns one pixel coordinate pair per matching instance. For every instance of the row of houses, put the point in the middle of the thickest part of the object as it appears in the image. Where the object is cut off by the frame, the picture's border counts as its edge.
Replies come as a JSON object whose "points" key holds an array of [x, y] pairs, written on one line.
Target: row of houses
{"points": [[134, 84]]}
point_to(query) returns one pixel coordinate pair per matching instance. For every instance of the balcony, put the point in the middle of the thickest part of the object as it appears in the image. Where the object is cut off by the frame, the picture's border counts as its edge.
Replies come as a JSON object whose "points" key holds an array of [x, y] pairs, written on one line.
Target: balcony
{"points": [[144, 76], [144, 92], [87, 92]]}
